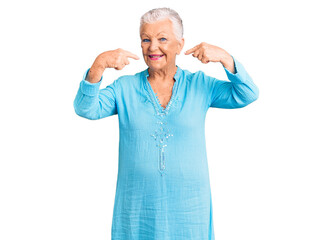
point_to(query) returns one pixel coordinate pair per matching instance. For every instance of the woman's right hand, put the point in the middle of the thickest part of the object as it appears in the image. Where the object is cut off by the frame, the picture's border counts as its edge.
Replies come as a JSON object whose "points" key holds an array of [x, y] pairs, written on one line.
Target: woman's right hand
{"points": [[116, 59]]}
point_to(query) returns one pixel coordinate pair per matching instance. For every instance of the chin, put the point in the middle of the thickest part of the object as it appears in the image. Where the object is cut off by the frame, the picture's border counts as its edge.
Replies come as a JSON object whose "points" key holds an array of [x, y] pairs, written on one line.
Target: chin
{"points": [[155, 66]]}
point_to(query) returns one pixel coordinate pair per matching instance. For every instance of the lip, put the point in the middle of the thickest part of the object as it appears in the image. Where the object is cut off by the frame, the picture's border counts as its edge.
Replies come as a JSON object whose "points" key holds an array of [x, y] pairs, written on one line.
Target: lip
{"points": [[155, 56]]}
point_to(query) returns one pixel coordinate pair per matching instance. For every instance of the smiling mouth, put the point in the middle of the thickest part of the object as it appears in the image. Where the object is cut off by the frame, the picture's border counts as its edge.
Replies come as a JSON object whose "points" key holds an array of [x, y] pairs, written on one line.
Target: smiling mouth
{"points": [[155, 56]]}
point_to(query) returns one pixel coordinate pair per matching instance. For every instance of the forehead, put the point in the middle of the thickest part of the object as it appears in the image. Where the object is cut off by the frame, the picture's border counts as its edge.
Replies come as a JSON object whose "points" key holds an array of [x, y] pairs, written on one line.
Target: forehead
{"points": [[158, 27]]}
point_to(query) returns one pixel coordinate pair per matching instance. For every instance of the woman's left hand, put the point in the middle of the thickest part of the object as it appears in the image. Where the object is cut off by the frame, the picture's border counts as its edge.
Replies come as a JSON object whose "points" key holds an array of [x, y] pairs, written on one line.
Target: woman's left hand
{"points": [[209, 53]]}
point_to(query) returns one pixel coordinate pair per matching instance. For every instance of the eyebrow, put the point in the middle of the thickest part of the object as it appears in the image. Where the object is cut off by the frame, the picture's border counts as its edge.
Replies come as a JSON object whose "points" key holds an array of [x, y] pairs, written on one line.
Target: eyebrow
{"points": [[157, 34]]}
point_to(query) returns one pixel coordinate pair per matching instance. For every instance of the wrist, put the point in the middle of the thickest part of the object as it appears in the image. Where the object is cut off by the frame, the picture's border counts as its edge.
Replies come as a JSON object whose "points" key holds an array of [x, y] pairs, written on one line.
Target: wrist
{"points": [[95, 73], [98, 64], [228, 63], [227, 60]]}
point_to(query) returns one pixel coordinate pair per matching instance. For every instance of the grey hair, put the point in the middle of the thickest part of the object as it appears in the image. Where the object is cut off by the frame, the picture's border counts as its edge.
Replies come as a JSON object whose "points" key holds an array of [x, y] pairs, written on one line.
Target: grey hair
{"points": [[158, 14]]}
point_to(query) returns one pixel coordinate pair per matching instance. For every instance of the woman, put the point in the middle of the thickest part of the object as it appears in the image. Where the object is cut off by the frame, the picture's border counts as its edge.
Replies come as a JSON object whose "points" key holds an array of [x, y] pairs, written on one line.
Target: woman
{"points": [[163, 190]]}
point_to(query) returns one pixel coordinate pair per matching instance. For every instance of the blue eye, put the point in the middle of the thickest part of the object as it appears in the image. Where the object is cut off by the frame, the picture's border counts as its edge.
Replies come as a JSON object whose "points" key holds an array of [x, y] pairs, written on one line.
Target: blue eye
{"points": [[145, 40], [163, 39]]}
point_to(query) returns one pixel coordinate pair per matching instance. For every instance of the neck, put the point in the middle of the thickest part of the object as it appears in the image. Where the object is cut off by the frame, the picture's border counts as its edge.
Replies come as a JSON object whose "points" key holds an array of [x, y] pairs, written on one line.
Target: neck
{"points": [[162, 74]]}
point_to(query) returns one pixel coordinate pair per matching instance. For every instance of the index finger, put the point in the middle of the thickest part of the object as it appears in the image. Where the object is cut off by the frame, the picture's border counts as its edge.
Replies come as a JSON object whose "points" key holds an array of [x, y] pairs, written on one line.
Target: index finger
{"points": [[192, 50], [132, 55]]}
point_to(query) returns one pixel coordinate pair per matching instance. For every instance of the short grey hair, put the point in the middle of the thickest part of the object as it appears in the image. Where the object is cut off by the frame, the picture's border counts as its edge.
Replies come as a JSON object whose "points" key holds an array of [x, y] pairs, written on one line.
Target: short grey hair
{"points": [[158, 14]]}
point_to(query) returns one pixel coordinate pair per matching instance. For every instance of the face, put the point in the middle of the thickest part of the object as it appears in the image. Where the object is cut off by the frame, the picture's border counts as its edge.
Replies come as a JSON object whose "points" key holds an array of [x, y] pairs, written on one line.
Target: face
{"points": [[159, 45]]}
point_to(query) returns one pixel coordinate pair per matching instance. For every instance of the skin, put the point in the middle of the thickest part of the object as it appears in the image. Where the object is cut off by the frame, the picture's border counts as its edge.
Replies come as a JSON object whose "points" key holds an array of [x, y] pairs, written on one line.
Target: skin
{"points": [[209, 53], [159, 38], [116, 59]]}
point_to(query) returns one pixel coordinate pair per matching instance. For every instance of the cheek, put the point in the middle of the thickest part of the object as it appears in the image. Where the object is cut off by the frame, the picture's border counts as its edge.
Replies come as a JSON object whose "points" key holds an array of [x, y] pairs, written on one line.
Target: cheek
{"points": [[167, 49], [144, 47], [172, 49]]}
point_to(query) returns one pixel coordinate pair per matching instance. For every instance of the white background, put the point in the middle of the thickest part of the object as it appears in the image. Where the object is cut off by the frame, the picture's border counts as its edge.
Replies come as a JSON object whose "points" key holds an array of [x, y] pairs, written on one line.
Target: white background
{"points": [[270, 162]]}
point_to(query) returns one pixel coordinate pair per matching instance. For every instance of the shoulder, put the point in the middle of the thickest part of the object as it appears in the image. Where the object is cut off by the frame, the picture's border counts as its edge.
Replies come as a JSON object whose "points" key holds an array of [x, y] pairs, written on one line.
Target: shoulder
{"points": [[198, 77], [127, 84], [126, 80]]}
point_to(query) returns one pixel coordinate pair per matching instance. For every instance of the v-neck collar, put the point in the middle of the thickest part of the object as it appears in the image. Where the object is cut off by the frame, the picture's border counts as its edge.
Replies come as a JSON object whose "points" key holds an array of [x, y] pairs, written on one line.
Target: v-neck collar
{"points": [[153, 96]]}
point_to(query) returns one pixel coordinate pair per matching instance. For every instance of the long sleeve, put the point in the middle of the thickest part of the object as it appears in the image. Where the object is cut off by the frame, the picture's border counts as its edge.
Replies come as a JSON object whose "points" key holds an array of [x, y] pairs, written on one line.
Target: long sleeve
{"points": [[237, 93], [92, 103]]}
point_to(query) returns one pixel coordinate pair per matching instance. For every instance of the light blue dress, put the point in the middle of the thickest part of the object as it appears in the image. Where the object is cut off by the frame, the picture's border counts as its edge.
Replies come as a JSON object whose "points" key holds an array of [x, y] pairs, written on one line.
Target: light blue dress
{"points": [[163, 189]]}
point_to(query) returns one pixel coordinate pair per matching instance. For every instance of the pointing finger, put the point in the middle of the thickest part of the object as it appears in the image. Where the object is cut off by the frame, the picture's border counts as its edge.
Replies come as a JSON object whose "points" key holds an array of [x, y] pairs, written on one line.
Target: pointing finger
{"points": [[191, 50], [132, 55]]}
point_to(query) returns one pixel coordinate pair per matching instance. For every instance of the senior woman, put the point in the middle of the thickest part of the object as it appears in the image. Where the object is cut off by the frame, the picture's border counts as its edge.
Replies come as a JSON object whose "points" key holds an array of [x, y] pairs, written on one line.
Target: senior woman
{"points": [[163, 190]]}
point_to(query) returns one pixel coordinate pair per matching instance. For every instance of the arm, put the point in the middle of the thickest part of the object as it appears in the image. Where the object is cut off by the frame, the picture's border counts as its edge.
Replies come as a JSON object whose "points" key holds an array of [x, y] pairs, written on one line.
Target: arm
{"points": [[237, 93], [92, 103]]}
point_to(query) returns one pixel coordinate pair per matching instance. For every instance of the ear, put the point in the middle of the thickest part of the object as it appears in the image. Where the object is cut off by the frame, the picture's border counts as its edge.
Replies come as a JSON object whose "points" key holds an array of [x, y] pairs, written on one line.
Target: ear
{"points": [[180, 45]]}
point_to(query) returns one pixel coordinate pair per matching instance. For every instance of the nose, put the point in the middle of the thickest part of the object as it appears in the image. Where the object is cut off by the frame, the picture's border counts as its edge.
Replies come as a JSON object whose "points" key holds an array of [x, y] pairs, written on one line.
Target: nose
{"points": [[153, 46]]}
